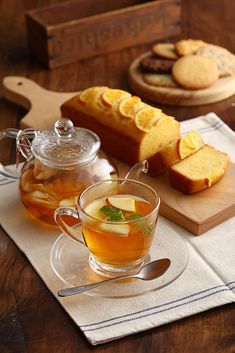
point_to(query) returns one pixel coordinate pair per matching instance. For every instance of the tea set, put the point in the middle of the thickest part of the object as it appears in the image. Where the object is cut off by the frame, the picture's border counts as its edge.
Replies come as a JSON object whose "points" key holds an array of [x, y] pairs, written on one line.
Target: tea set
{"points": [[66, 179]]}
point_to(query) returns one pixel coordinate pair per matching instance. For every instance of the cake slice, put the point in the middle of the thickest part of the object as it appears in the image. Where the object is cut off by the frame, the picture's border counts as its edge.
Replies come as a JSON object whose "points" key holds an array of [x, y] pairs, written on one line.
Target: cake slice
{"points": [[199, 171], [175, 152]]}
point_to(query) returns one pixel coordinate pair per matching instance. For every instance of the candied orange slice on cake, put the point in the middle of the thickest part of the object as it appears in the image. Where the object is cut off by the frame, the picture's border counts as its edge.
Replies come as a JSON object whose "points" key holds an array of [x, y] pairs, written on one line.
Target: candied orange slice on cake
{"points": [[129, 106], [189, 144], [113, 96], [89, 94], [147, 117], [163, 118]]}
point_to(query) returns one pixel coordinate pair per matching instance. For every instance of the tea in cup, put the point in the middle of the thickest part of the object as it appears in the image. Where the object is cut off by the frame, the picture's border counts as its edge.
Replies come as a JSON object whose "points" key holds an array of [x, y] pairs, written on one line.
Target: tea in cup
{"points": [[118, 220]]}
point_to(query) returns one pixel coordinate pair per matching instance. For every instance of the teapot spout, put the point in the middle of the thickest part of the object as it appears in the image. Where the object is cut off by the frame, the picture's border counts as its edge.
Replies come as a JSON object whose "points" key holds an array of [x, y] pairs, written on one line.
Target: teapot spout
{"points": [[137, 169]]}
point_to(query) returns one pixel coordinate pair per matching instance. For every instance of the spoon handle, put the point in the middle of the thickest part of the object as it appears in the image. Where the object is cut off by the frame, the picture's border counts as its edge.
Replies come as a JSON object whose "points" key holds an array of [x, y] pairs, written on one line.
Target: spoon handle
{"points": [[80, 289]]}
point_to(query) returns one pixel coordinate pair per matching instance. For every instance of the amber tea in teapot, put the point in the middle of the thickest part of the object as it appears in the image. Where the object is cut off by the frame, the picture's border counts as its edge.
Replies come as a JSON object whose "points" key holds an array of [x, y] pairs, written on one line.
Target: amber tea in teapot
{"points": [[43, 188], [59, 165]]}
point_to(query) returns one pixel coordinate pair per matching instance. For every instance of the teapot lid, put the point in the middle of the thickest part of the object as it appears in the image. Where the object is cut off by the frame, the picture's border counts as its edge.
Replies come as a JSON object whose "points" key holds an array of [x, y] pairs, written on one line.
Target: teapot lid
{"points": [[65, 145]]}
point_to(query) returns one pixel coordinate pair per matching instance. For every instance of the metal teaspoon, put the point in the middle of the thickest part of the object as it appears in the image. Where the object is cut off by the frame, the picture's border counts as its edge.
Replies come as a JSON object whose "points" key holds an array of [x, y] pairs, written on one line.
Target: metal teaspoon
{"points": [[148, 272]]}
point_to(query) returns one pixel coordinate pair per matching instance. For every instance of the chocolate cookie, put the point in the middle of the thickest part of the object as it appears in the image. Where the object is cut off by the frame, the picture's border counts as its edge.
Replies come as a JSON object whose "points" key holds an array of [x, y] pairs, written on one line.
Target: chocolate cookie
{"points": [[153, 64]]}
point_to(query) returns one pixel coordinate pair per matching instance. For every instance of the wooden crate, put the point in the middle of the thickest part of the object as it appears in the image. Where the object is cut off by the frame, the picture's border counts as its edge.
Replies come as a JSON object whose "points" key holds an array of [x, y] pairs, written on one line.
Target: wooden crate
{"points": [[71, 31]]}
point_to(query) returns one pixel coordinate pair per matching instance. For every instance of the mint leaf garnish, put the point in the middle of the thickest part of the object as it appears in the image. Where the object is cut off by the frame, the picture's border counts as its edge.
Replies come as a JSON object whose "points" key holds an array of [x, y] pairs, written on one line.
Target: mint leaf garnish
{"points": [[148, 229], [144, 227], [142, 224], [133, 216], [113, 213]]}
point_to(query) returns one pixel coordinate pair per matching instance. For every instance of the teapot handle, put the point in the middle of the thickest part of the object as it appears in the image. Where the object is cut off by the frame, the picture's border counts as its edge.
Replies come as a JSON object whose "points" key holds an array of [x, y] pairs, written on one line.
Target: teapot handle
{"points": [[6, 172], [137, 169], [68, 230], [23, 145]]}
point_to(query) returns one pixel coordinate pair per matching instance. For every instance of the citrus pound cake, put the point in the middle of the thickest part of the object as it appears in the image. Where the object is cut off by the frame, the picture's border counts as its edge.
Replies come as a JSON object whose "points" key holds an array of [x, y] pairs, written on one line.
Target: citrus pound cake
{"points": [[175, 152], [129, 129], [199, 171]]}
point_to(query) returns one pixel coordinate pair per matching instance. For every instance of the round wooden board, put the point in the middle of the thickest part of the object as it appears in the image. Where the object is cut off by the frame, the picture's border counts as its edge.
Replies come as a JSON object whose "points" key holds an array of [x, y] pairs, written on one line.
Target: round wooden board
{"points": [[222, 89]]}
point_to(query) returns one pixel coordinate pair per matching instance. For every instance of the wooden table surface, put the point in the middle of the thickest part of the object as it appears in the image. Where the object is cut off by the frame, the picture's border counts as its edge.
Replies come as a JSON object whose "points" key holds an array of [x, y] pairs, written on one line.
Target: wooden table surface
{"points": [[31, 320]]}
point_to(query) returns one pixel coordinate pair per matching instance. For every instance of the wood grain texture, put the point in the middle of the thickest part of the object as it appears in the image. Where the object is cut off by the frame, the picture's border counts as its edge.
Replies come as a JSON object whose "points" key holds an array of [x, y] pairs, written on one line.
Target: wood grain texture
{"points": [[201, 211], [43, 105], [222, 89], [31, 320], [64, 33], [197, 212]]}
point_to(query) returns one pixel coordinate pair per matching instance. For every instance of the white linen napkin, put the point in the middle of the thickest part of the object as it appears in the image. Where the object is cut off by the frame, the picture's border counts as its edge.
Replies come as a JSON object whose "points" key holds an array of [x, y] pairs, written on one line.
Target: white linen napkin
{"points": [[208, 280]]}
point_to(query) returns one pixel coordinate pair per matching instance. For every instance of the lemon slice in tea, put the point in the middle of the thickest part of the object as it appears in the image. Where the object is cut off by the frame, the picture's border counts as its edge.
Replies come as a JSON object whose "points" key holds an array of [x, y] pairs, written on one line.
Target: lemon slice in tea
{"points": [[115, 229], [123, 203], [94, 209]]}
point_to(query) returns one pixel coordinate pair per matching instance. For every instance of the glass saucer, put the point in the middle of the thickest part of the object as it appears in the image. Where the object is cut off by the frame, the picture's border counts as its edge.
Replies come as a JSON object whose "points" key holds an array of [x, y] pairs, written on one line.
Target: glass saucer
{"points": [[70, 262]]}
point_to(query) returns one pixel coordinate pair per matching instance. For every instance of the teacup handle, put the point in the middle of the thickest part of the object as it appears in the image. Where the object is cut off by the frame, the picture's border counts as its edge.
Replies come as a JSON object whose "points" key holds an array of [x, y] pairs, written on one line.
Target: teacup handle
{"points": [[68, 230]]}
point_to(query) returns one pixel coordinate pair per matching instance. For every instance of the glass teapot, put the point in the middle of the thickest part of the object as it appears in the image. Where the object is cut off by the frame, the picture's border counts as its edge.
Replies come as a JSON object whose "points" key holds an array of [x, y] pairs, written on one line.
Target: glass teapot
{"points": [[59, 165]]}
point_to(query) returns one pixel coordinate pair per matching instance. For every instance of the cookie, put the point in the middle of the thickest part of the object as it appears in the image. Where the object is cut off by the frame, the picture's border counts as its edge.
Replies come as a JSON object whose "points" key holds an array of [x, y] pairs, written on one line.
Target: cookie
{"points": [[160, 80], [165, 50], [159, 65], [195, 72], [224, 59], [188, 46]]}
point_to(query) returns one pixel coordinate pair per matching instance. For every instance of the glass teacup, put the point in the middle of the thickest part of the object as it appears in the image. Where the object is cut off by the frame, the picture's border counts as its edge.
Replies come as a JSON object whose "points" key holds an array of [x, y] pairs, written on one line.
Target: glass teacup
{"points": [[118, 220]]}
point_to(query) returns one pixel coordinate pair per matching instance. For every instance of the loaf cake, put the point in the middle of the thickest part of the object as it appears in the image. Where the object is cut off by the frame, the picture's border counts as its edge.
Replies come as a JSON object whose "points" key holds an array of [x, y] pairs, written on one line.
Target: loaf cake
{"points": [[199, 171], [129, 129], [175, 152]]}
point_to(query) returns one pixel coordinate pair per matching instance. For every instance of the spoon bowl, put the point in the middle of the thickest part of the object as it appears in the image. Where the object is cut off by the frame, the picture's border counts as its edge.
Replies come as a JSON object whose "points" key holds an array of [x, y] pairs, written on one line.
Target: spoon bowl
{"points": [[148, 272]]}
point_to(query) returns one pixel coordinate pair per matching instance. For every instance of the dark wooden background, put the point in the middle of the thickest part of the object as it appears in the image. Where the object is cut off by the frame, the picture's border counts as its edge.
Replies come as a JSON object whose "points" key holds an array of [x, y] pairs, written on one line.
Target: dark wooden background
{"points": [[31, 320]]}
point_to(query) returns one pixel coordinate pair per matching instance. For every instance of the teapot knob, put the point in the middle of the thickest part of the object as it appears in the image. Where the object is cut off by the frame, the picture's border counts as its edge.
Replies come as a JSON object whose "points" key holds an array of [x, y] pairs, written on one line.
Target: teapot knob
{"points": [[64, 127]]}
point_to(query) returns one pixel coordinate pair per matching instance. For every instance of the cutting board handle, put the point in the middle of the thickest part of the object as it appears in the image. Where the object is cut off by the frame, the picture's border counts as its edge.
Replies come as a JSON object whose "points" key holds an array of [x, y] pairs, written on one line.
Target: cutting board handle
{"points": [[23, 91], [43, 105]]}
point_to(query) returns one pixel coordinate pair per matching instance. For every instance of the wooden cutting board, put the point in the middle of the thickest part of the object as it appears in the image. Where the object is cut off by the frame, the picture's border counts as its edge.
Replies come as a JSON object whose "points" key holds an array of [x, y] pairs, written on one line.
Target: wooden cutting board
{"points": [[196, 213], [222, 89], [43, 105]]}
